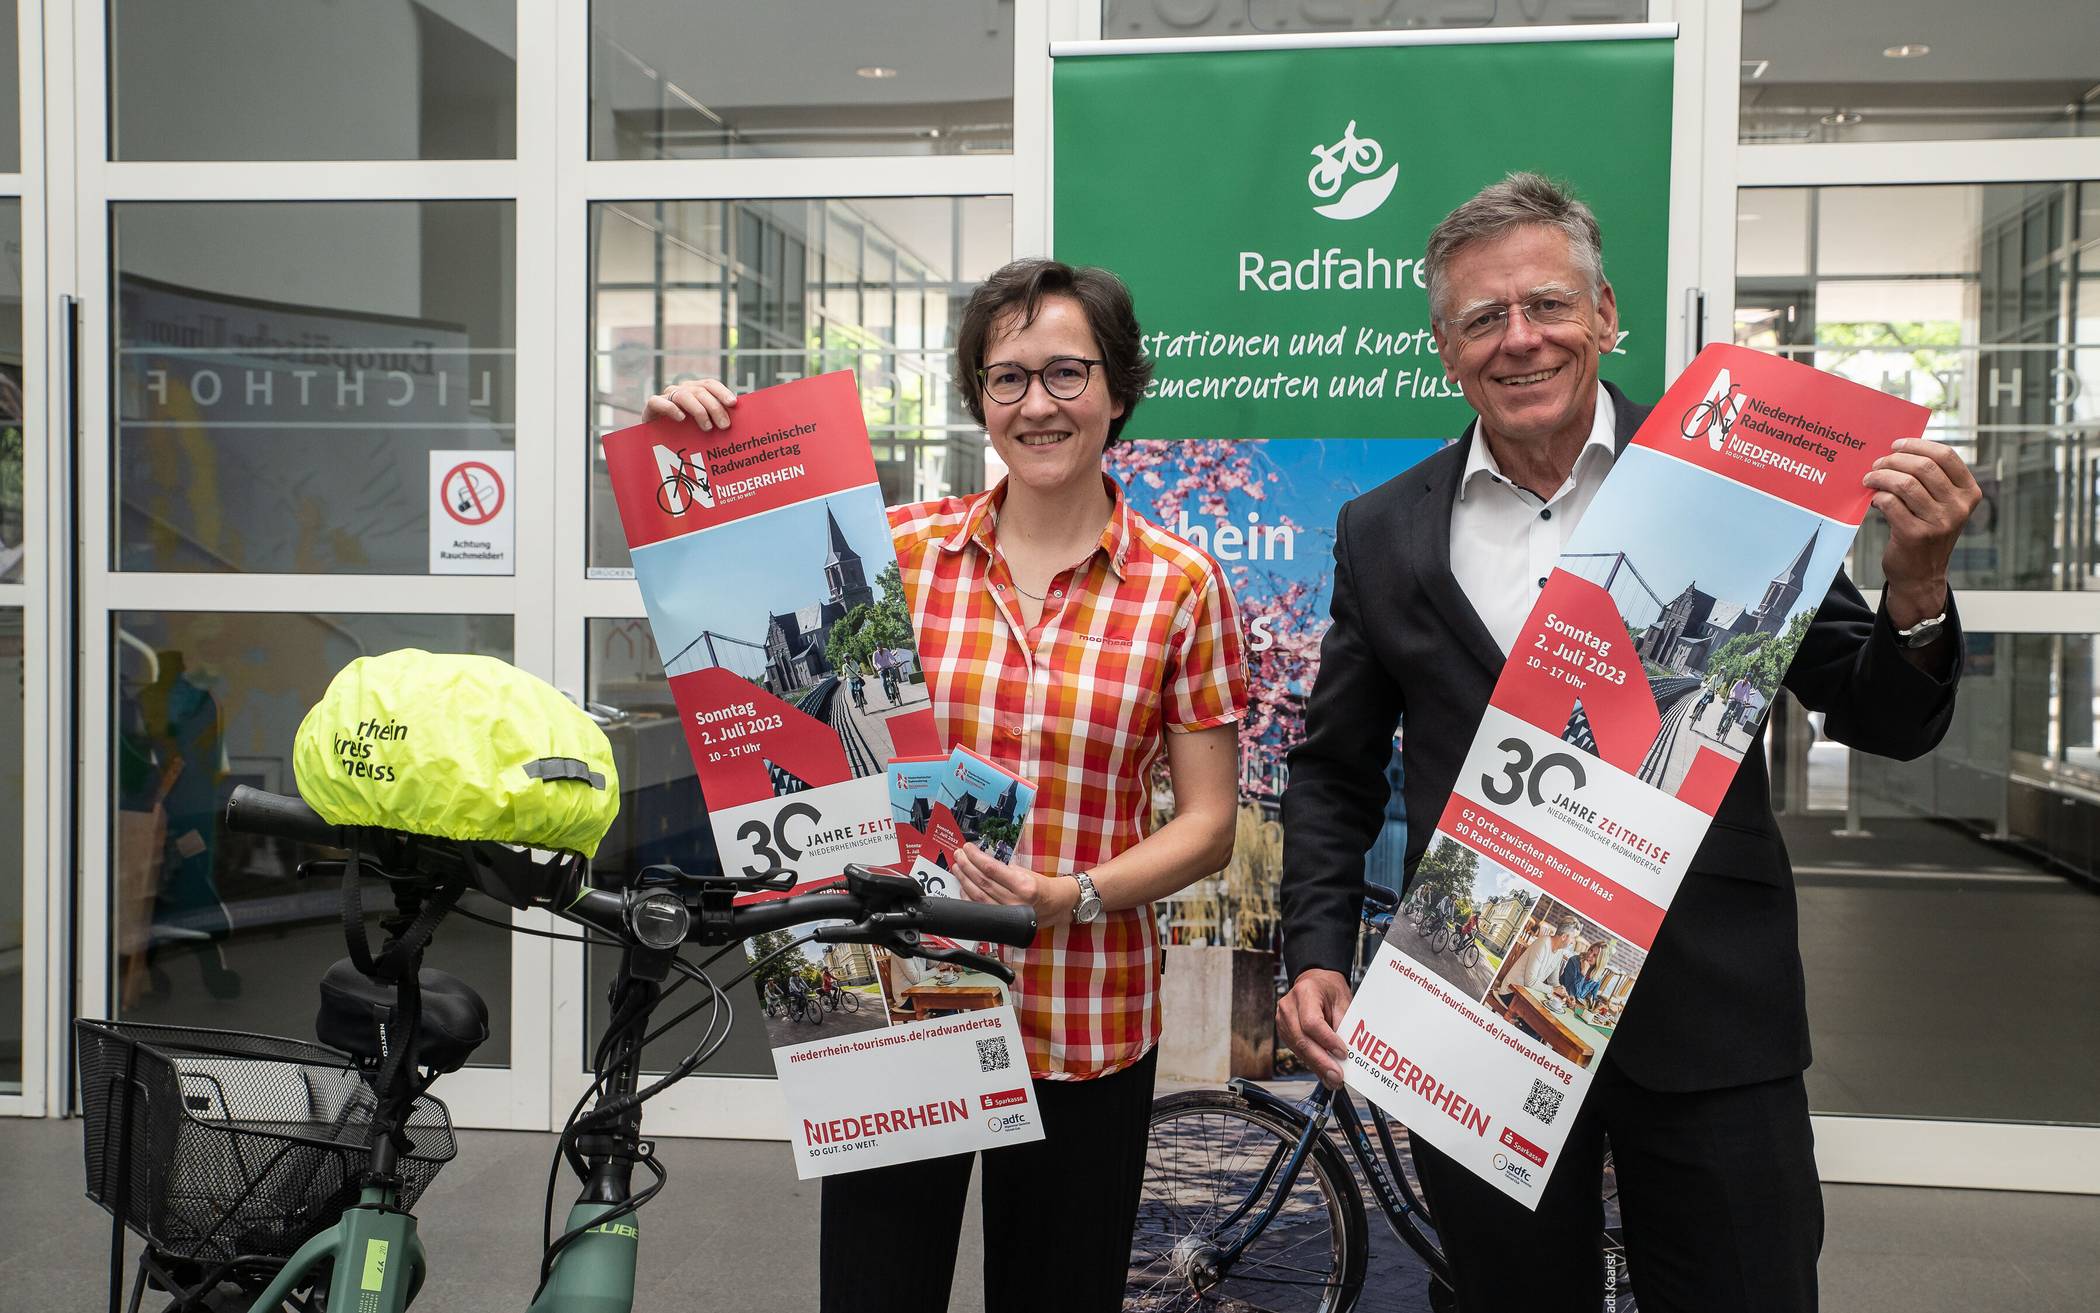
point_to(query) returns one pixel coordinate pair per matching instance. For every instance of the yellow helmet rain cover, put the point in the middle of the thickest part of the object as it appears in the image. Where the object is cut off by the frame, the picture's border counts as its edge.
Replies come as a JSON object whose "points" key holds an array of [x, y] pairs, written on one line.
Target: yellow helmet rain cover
{"points": [[460, 747]]}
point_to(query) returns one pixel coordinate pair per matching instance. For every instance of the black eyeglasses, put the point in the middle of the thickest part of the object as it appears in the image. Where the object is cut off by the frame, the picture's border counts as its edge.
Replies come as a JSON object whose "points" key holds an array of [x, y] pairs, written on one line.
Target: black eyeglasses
{"points": [[1064, 377]]}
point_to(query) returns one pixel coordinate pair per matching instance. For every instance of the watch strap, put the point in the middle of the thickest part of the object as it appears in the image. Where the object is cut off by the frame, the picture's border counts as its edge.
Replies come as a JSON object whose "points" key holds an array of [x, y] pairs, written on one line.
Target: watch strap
{"points": [[1089, 907], [1923, 632]]}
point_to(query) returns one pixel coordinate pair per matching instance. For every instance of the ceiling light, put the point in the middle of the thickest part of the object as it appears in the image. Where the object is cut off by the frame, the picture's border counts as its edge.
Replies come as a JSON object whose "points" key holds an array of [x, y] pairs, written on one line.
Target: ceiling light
{"points": [[1753, 69], [1908, 50], [875, 71], [1843, 118]]}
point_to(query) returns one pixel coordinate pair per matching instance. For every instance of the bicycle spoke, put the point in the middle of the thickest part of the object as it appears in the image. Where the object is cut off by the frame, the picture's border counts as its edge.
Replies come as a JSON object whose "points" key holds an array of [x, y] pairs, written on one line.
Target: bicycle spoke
{"points": [[1203, 1164]]}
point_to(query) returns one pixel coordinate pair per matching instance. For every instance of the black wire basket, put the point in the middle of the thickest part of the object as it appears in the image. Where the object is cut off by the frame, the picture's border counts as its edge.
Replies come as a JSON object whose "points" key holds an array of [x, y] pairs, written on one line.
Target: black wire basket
{"points": [[217, 1145]]}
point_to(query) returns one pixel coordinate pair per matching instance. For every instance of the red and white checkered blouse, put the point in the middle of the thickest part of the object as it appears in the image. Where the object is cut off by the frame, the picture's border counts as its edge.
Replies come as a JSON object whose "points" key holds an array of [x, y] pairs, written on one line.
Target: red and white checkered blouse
{"points": [[1139, 640]]}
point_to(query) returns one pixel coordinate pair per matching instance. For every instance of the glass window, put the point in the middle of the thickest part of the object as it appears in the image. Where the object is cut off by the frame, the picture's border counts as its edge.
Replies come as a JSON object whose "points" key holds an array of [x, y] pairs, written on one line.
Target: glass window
{"points": [[13, 544], [10, 87], [799, 78], [13, 744], [267, 80], [214, 927], [1946, 902], [1893, 70], [1148, 18], [1976, 301], [662, 818], [759, 292], [284, 370]]}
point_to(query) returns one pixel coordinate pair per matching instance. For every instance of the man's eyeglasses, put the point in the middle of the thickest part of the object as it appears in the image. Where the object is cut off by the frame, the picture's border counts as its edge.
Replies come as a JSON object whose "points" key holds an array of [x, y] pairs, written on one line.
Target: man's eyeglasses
{"points": [[1489, 321], [1064, 377]]}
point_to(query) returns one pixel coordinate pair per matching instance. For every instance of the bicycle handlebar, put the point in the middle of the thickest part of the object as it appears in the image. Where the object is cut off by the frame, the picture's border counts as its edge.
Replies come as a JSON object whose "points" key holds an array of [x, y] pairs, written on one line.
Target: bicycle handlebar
{"points": [[890, 910], [253, 811]]}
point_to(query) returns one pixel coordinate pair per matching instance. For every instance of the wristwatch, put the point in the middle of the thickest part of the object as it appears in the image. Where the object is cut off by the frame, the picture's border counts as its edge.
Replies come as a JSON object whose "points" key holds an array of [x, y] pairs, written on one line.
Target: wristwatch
{"points": [[1089, 908], [1922, 633]]}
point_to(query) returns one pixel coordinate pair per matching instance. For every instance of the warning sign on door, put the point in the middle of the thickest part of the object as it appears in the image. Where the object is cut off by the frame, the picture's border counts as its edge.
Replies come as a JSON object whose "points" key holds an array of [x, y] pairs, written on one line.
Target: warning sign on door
{"points": [[472, 527]]}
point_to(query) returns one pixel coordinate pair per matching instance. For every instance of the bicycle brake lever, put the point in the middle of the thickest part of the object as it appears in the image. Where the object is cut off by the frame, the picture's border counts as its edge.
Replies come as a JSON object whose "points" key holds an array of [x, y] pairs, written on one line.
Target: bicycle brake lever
{"points": [[910, 944], [964, 957]]}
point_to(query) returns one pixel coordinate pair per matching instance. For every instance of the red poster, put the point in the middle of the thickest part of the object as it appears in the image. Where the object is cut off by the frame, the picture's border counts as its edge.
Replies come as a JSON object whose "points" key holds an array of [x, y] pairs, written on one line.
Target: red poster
{"points": [[763, 554]]}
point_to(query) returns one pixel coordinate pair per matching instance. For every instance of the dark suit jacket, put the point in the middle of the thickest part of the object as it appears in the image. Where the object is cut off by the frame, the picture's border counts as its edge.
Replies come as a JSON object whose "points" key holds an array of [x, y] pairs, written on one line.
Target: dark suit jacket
{"points": [[1720, 999]]}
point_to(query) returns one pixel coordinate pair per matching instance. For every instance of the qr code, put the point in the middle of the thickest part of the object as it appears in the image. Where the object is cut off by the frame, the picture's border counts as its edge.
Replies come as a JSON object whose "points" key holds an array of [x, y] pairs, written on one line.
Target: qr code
{"points": [[1544, 1101], [991, 1054]]}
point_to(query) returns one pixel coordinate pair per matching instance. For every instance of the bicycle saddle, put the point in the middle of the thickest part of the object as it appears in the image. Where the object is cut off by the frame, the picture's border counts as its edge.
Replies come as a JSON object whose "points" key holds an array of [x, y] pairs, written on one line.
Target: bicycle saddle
{"points": [[453, 1021]]}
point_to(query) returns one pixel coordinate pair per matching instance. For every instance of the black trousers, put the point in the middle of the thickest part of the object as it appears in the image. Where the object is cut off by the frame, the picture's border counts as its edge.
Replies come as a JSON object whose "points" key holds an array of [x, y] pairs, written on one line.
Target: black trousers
{"points": [[1058, 1213], [1718, 1192]]}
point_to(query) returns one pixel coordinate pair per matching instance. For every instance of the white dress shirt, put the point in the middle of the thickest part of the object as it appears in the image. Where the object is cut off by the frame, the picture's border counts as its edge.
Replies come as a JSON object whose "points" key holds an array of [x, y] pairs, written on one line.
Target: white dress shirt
{"points": [[1504, 540], [1539, 969]]}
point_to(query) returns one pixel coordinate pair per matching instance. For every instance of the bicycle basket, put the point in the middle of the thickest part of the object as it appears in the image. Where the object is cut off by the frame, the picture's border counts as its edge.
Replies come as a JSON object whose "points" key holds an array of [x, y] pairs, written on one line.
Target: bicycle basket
{"points": [[237, 1145]]}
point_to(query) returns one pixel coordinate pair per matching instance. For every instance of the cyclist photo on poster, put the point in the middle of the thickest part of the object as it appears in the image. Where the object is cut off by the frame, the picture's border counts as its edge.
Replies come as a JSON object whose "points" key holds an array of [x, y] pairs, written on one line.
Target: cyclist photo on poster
{"points": [[1461, 916], [814, 990]]}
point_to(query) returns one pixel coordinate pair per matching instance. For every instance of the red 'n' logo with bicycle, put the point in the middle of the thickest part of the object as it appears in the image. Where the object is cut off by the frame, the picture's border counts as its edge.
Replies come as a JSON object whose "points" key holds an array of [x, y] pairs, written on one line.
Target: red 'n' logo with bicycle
{"points": [[1717, 413]]}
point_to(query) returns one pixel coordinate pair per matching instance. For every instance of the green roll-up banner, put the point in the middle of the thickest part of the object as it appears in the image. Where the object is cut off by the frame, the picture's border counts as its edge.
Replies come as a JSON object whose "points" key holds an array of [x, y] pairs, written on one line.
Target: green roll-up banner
{"points": [[1269, 208], [1268, 201]]}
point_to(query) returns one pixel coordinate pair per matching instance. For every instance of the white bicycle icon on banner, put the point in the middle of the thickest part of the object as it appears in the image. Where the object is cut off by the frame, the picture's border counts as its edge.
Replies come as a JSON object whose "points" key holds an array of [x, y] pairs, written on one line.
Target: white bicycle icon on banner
{"points": [[1352, 154]]}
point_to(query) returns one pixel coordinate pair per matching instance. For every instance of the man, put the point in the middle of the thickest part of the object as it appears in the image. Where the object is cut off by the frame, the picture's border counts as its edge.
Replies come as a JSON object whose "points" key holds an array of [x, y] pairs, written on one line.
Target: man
{"points": [[1538, 966], [1435, 572]]}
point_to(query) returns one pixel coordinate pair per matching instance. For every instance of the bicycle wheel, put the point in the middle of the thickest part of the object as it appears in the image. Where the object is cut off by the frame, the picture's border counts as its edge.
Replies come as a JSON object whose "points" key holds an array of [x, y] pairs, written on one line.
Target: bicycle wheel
{"points": [[1469, 956], [1210, 1150], [850, 999]]}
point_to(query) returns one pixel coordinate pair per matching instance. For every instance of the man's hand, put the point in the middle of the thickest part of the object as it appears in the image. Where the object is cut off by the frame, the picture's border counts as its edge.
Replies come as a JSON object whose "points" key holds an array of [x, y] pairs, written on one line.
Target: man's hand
{"points": [[1308, 1014], [1926, 494]]}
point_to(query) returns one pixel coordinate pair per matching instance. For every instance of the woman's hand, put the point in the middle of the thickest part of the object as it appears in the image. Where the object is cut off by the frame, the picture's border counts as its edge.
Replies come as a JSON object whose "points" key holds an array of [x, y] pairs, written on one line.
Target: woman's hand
{"points": [[986, 879], [706, 402]]}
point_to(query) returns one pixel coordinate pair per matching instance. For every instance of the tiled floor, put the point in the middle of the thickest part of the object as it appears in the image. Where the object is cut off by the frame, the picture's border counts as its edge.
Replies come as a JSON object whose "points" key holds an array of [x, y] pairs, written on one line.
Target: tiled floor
{"points": [[736, 1232]]}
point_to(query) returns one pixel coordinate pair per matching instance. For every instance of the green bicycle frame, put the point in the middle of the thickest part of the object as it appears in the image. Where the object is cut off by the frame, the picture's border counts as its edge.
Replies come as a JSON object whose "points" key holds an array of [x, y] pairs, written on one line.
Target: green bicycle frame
{"points": [[379, 1264], [596, 1273]]}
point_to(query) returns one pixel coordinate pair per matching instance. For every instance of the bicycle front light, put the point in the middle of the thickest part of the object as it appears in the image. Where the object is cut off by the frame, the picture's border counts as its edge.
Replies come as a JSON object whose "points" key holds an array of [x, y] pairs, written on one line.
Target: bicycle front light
{"points": [[659, 920]]}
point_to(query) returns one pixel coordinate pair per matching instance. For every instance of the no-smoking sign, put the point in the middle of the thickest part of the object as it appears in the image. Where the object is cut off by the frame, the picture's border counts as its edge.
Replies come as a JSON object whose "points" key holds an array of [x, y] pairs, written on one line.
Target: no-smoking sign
{"points": [[472, 530], [473, 492]]}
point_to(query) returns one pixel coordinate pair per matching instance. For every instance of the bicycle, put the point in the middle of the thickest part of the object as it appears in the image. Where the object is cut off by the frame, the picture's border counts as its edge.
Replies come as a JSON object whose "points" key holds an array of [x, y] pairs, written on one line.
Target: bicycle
{"points": [[684, 487], [308, 1209], [841, 999], [808, 1007], [1352, 154], [1465, 944], [1231, 1218]]}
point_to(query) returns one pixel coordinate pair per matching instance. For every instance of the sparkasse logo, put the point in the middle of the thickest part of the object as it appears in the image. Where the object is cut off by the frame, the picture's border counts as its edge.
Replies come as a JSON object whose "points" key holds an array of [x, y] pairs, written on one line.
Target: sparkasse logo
{"points": [[1350, 155]]}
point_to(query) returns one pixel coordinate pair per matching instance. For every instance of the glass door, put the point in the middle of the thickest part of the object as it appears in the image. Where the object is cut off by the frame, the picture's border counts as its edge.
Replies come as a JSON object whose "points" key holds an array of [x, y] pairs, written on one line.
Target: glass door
{"points": [[25, 569], [301, 322]]}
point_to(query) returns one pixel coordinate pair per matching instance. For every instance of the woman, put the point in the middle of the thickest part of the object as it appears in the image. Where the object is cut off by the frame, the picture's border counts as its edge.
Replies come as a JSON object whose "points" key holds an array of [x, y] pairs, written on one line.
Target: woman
{"points": [[1070, 639], [1579, 976]]}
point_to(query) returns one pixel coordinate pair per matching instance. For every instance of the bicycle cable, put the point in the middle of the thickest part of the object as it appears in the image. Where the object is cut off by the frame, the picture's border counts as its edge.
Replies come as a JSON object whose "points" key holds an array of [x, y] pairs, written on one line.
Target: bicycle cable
{"points": [[595, 941], [607, 1060], [710, 1045]]}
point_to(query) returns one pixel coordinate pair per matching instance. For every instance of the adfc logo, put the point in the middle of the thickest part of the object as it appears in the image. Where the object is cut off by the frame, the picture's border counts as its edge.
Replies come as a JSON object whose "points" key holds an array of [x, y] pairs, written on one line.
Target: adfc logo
{"points": [[1712, 417], [683, 482], [1351, 155]]}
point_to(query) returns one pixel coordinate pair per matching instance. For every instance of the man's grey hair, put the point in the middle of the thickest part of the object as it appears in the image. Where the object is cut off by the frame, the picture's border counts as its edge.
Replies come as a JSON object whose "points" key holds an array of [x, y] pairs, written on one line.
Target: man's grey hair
{"points": [[1519, 200]]}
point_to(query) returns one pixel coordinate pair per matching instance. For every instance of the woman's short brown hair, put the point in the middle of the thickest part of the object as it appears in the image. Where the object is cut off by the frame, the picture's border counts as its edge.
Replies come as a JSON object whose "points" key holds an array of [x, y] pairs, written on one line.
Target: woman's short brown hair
{"points": [[1020, 288]]}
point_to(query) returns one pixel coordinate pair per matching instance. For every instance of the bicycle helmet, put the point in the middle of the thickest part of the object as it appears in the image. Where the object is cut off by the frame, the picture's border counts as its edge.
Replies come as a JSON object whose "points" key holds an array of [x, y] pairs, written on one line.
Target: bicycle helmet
{"points": [[459, 747]]}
